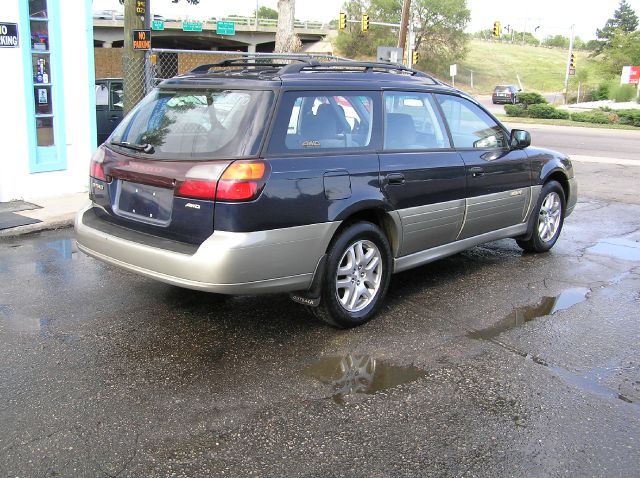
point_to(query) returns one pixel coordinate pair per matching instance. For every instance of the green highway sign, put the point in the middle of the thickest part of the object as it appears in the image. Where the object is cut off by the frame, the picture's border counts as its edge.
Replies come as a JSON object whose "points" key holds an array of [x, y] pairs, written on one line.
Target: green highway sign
{"points": [[226, 28], [157, 25], [191, 26]]}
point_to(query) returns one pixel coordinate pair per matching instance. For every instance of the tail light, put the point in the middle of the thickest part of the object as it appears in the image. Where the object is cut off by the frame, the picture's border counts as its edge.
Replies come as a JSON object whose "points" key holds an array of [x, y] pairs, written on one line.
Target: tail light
{"points": [[197, 189], [96, 169], [242, 181]]}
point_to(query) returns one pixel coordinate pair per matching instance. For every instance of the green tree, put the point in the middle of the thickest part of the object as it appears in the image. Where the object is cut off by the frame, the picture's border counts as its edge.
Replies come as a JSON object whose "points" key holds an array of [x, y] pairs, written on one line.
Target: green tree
{"points": [[558, 41], [266, 12], [624, 19], [440, 36], [623, 49], [439, 30]]}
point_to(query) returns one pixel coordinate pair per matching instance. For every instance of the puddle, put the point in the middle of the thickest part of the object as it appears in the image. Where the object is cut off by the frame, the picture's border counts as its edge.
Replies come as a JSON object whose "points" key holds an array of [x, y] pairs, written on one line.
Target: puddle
{"points": [[619, 248], [547, 306], [352, 374], [63, 248]]}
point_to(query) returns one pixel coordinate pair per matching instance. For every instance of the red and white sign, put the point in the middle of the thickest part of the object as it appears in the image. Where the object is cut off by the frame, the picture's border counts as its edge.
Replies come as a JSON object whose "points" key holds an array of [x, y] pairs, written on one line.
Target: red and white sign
{"points": [[630, 75]]}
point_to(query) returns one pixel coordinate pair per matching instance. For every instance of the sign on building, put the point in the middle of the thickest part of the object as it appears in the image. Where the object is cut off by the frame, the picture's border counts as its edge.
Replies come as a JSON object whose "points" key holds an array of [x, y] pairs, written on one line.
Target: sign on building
{"points": [[226, 28], [142, 39], [9, 35]]}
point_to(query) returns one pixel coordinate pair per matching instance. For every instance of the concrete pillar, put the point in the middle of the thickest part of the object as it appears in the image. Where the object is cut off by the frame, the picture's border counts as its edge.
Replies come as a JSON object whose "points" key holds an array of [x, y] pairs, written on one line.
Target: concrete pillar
{"points": [[251, 48], [107, 44]]}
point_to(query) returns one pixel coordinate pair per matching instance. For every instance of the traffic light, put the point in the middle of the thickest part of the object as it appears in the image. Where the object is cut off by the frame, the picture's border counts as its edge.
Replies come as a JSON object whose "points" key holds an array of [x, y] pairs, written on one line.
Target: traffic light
{"points": [[572, 61], [414, 57], [365, 22], [496, 29], [342, 22]]}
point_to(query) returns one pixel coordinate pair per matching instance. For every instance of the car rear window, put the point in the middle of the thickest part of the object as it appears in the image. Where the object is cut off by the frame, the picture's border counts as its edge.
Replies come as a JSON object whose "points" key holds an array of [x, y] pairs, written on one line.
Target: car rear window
{"points": [[197, 124]]}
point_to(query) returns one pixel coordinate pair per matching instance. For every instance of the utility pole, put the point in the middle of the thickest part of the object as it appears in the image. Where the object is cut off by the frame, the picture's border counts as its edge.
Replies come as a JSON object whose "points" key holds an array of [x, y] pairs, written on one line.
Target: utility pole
{"points": [[404, 23], [136, 17], [566, 76]]}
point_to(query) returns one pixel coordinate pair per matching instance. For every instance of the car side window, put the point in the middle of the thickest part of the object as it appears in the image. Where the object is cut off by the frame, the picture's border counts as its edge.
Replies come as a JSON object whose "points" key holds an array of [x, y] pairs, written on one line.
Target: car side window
{"points": [[323, 120], [102, 95], [411, 122], [116, 95], [470, 126]]}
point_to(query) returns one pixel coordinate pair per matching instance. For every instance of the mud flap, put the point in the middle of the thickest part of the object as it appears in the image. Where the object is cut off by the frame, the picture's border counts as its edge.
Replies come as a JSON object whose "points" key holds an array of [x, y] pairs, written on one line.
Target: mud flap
{"points": [[311, 296]]}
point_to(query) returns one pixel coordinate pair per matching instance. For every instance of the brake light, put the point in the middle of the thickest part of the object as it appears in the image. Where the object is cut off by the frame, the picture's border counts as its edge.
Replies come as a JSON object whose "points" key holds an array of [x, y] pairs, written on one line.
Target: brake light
{"points": [[96, 169], [197, 189], [242, 181]]}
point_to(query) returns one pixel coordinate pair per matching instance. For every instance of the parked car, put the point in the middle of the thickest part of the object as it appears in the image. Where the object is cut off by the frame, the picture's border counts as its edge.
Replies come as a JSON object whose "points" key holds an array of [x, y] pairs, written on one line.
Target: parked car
{"points": [[316, 179], [505, 94], [108, 106]]}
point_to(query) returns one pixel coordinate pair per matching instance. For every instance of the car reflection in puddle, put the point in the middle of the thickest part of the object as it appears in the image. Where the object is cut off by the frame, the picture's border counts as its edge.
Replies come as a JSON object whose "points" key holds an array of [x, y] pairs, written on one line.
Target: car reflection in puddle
{"points": [[521, 315], [352, 374]]}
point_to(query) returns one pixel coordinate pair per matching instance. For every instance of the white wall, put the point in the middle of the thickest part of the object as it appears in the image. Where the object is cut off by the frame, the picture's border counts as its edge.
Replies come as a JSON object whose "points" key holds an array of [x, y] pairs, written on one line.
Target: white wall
{"points": [[14, 145], [16, 182]]}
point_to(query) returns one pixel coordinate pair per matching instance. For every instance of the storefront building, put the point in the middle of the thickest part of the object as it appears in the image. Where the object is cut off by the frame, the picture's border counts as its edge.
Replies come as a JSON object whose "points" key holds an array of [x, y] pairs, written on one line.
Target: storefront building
{"points": [[47, 86]]}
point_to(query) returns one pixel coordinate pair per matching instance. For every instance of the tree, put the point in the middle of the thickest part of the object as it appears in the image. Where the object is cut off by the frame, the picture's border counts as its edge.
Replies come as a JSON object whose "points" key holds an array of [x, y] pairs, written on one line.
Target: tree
{"points": [[286, 39], [440, 37], [623, 49], [266, 12], [624, 19], [438, 27], [558, 41]]}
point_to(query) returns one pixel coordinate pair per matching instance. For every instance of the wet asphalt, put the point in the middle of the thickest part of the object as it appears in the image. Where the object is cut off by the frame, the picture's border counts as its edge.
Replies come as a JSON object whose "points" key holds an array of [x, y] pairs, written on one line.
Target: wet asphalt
{"points": [[489, 363]]}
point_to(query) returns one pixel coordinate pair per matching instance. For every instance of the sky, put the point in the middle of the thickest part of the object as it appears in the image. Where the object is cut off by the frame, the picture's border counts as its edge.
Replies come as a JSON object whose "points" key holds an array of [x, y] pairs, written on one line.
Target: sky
{"points": [[554, 17]]}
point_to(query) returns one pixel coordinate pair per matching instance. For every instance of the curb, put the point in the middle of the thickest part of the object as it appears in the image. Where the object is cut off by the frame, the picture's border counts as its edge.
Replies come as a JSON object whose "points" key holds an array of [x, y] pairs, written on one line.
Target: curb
{"points": [[38, 227]]}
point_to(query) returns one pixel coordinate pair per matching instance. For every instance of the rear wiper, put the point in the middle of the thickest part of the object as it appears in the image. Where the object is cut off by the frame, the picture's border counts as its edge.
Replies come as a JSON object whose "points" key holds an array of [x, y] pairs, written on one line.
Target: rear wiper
{"points": [[145, 148]]}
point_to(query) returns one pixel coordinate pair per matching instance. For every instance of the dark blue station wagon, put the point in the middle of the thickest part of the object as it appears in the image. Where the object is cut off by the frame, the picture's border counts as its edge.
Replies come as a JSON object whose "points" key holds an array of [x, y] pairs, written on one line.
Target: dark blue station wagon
{"points": [[316, 179]]}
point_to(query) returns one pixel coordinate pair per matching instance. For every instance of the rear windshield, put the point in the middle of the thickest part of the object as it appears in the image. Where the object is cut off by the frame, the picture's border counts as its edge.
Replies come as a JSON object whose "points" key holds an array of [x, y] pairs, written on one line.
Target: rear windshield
{"points": [[193, 124]]}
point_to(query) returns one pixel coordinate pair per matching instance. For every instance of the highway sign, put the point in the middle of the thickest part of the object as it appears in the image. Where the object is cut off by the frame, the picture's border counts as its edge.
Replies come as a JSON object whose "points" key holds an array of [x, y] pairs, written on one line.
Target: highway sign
{"points": [[157, 25], [191, 26], [226, 28]]}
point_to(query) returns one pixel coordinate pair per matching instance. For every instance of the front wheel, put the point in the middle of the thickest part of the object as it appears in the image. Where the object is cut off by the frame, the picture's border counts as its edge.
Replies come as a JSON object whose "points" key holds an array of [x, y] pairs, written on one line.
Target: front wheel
{"points": [[548, 218], [357, 276]]}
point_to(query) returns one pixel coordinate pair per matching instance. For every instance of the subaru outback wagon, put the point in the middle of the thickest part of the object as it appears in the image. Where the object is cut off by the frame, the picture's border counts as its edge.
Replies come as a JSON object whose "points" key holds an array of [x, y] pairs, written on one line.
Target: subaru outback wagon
{"points": [[316, 179]]}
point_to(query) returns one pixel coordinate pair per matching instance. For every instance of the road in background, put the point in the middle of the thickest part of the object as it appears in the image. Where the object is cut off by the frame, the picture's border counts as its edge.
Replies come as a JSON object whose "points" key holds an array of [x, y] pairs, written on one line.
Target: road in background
{"points": [[574, 140]]}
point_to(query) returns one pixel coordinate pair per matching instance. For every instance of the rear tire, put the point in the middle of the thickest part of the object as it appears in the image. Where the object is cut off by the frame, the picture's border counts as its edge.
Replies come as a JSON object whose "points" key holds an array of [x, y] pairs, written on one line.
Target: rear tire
{"points": [[547, 217], [356, 277]]}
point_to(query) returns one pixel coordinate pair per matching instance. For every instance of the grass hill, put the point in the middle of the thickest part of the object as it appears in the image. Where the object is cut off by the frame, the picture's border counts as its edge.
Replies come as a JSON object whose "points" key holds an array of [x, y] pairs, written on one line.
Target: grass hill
{"points": [[540, 69]]}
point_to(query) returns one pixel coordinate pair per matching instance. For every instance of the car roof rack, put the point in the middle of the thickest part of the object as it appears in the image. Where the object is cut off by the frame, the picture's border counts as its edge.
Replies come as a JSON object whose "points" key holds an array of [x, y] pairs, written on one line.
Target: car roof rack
{"points": [[354, 66], [292, 63], [264, 60]]}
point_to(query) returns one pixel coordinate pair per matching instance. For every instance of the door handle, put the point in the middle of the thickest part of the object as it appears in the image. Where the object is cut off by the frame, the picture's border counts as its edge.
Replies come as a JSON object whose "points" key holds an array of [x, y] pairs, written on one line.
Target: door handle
{"points": [[476, 172], [395, 178], [113, 117]]}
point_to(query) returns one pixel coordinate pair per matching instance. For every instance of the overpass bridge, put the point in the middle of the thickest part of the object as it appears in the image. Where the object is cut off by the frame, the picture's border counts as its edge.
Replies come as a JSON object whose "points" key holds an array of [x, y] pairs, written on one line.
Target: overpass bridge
{"points": [[251, 34]]}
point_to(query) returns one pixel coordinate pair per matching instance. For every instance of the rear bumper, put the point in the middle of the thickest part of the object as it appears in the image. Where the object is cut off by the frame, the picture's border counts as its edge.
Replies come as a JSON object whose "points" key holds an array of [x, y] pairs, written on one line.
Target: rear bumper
{"points": [[278, 260]]}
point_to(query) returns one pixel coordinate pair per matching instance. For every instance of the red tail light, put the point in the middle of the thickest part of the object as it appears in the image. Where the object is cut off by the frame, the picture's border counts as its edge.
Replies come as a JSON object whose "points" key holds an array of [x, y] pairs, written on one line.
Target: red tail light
{"points": [[242, 181], [96, 169], [197, 189]]}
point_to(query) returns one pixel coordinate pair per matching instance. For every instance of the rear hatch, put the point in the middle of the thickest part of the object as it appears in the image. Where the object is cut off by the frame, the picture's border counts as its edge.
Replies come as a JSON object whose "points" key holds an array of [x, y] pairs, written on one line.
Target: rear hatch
{"points": [[175, 154]]}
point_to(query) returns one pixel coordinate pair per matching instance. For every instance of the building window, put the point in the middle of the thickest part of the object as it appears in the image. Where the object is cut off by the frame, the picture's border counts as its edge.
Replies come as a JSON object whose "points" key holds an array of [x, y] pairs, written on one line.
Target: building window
{"points": [[41, 69]]}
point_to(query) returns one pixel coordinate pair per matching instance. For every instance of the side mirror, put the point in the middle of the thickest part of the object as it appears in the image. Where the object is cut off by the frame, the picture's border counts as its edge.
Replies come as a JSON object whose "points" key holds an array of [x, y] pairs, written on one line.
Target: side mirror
{"points": [[520, 139]]}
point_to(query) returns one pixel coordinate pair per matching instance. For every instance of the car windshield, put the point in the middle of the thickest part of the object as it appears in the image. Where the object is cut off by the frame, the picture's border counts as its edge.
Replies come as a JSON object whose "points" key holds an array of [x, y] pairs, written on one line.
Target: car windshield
{"points": [[195, 124]]}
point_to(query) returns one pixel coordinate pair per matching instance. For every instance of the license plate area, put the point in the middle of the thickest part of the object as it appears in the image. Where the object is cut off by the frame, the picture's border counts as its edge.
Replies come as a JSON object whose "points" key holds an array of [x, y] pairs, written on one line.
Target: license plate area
{"points": [[144, 203]]}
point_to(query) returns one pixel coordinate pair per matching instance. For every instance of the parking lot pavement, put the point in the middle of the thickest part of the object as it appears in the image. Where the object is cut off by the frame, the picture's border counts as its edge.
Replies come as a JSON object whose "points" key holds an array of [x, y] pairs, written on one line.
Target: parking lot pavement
{"points": [[489, 363]]}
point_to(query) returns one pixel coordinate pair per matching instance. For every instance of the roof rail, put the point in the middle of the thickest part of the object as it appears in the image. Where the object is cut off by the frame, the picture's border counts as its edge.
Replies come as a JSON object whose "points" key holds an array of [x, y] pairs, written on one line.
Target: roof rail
{"points": [[349, 65], [264, 60]]}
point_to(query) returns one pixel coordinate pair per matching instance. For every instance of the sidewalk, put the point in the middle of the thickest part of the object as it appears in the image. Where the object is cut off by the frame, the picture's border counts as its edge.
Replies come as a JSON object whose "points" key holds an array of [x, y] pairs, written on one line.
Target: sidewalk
{"points": [[55, 213]]}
